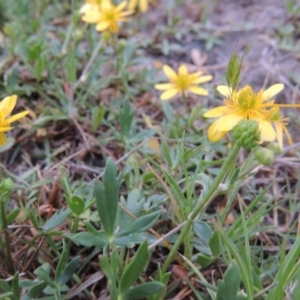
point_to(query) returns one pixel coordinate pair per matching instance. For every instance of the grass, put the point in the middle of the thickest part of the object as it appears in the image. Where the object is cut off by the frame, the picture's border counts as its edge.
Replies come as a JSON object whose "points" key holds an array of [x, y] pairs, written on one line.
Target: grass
{"points": [[109, 192]]}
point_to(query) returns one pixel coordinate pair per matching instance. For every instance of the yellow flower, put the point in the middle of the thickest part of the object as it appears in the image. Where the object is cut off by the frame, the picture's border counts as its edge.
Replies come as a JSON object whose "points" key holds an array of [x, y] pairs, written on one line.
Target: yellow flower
{"points": [[142, 4], [107, 16], [243, 104], [6, 107], [182, 82]]}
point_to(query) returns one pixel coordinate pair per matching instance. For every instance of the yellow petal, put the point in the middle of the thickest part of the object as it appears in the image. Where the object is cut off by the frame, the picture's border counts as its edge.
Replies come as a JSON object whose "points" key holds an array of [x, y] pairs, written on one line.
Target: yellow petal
{"points": [[121, 6], [170, 73], [8, 104], [169, 94], [224, 90], [91, 16], [279, 134], [132, 4], [2, 139], [16, 116], [215, 112], [214, 134], [154, 145], [227, 122], [198, 90], [5, 129], [102, 26], [290, 141], [164, 86], [267, 132], [143, 5], [202, 79], [272, 91], [182, 70]]}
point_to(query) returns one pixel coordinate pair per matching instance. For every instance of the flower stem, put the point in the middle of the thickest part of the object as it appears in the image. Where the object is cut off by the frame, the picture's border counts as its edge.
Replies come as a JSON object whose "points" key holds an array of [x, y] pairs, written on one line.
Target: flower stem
{"points": [[185, 102], [9, 262], [202, 204], [87, 67]]}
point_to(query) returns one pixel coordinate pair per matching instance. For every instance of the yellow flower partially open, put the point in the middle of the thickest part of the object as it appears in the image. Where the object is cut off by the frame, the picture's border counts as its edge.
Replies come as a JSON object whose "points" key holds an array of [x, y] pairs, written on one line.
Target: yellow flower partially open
{"points": [[106, 15], [182, 83], [6, 107], [247, 105]]}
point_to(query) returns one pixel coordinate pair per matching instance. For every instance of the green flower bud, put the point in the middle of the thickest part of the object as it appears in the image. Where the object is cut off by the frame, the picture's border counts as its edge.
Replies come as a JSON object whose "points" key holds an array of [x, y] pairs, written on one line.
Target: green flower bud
{"points": [[275, 148], [233, 71], [246, 133], [6, 185], [264, 156]]}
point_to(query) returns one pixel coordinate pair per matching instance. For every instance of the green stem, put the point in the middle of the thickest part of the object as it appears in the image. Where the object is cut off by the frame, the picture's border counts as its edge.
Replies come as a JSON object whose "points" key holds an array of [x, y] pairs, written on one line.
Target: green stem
{"points": [[87, 67], [208, 197], [9, 262], [185, 102]]}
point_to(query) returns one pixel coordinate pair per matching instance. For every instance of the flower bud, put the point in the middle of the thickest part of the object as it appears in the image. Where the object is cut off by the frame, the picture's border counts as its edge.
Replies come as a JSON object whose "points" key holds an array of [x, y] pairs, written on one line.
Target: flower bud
{"points": [[264, 156], [246, 133], [6, 185], [275, 147], [233, 71]]}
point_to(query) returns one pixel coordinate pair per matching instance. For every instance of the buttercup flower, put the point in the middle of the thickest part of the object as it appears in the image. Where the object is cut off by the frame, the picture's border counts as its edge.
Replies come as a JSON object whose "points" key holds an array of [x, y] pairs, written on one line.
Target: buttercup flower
{"points": [[142, 4], [6, 107], [247, 105], [106, 16], [182, 82], [243, 104]]}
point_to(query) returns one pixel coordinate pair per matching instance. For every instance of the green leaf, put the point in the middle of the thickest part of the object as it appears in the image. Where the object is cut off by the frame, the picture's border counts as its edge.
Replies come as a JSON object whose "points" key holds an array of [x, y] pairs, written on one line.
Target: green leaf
{"points": [[62, 261], [215, 244], [135, 268], [230, 285], [35, 291], [126, 118], [70, 66], [163, 278], [42, 275], [129, 241], [111, 276], [12, 216], [88, 239], [69, 271], [205, 260], [141, 224], [166, 152], [59, 217], [6, 296], [143, 290], [203, 232], [76, 204], [107, 197], [15, 286]]}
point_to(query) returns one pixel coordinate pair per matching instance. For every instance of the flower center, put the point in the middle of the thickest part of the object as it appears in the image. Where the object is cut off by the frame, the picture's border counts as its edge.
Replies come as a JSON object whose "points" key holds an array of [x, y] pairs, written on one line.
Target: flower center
{"points": [[111, 15], [247, 99], [182, 82]]}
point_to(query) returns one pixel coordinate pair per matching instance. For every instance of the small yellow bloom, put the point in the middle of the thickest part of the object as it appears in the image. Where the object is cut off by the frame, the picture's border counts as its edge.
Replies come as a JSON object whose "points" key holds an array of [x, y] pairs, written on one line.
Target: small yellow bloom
{"points": [[142, 4], [182, 82], [6, 107], [106, 16], [247, 105], [242, 105]]}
